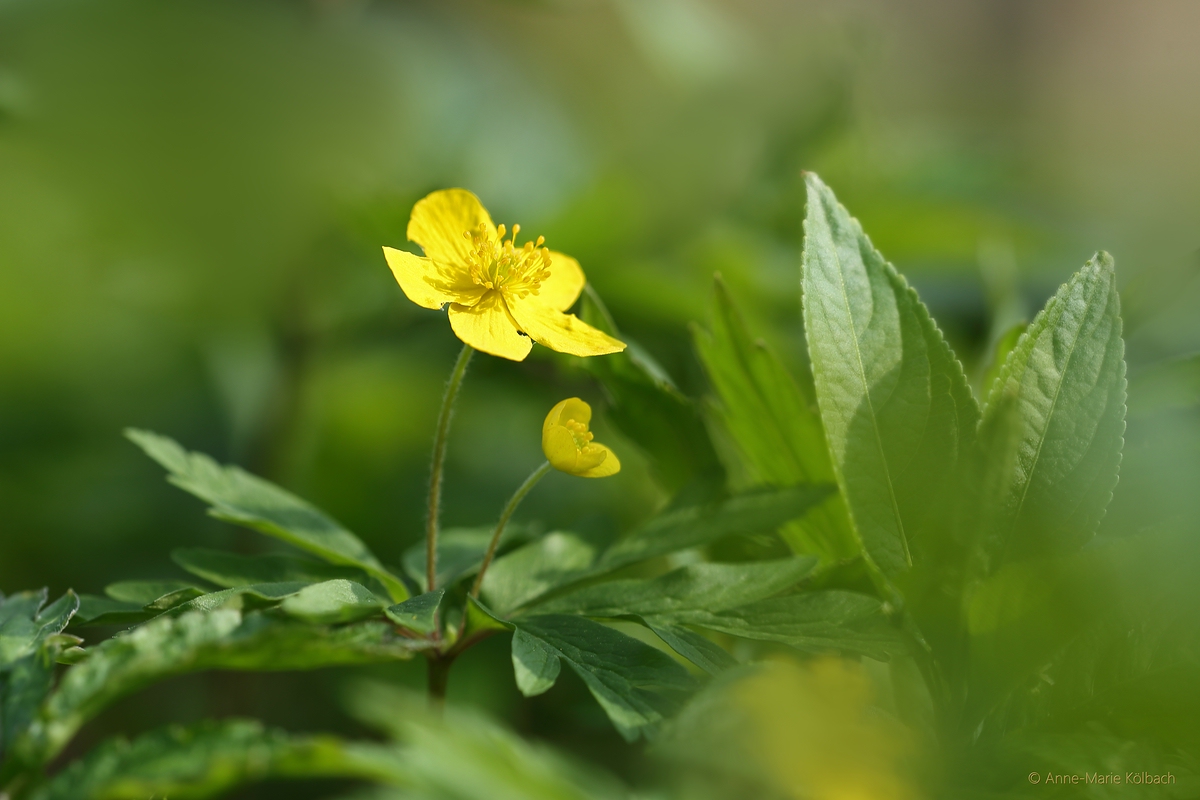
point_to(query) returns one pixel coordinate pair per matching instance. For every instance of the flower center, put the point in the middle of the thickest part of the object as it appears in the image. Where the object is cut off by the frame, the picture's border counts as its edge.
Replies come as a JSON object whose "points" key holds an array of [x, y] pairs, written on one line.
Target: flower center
{"points": [[500, 264], [582, 436]]}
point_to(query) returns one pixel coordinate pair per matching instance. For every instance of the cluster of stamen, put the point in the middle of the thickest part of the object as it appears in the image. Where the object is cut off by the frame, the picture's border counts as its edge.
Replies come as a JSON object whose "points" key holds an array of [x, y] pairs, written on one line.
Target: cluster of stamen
{"points": [[500, 264], [582, 436]]}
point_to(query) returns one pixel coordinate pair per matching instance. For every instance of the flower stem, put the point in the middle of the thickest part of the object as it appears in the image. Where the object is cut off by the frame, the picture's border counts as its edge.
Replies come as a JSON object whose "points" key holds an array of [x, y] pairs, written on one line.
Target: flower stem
{"points": [[439, 460], [513, 502]]}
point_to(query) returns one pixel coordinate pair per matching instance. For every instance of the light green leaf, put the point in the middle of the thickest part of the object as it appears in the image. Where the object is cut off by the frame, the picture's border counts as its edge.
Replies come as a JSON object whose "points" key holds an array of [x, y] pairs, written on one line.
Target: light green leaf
{"points": [[480, 623], [26, 621], [332, 601], [812, 621], [637, 685], [535, 569], [895, 402], [244, 499], [705, 654], [774, 426], [243, 598], [1067, 379], [211, 758], [535, 664], [1004, 345], [693, 526], [230, 570], [191, 642], [705, 586], [417, 614]]}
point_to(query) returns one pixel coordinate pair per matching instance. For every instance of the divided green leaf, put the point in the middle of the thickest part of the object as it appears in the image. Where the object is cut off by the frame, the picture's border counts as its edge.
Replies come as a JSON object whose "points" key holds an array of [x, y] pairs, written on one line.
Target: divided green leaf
{"points": [[244, 499]]}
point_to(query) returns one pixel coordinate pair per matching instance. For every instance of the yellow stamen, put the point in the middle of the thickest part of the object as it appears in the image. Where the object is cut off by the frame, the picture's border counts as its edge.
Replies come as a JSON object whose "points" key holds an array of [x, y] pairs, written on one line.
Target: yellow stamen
{"points": [[501, 265]]}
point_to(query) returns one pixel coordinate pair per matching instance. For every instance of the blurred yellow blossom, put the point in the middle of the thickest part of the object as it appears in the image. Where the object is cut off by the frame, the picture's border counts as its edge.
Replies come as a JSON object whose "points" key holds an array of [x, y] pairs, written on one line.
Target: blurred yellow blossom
{"points": [[568, 444], [819, 736], [502, 297]]}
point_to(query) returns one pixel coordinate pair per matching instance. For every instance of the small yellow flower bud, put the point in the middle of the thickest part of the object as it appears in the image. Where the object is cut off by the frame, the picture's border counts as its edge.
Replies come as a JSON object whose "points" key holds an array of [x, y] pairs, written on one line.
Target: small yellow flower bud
{"points": [[568, 444]]}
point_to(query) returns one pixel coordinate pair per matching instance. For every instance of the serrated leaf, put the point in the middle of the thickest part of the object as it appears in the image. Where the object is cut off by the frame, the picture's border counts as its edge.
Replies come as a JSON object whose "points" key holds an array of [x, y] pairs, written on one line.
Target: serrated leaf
{"points": [[1067, 379], [895, 402], [773, 424], [190, 642], [333, 601], [705, 586], [535, 569], [683, 528], [637, 685], [239, 497], [209, 759], [231, 570], [417, 614], [811, 621], [645, 405]]}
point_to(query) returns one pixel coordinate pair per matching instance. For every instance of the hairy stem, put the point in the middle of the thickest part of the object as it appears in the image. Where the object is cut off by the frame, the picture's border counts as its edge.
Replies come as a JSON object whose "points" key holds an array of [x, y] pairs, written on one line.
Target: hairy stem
{"points": [[439, 460], [513, 502]]}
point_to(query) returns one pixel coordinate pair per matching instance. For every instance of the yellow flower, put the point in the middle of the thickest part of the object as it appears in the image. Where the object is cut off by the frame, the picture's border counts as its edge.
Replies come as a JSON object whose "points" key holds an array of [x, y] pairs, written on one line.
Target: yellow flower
{"points": [[502, 297], [568, 444]]}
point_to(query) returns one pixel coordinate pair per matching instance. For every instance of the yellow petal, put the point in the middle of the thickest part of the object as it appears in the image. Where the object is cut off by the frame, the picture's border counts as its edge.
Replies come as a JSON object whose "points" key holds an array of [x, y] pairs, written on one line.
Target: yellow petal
{"points": [[488, 327], [561, 288], [609, 465], [562, 332], [430, 284], [559, 447], [439, 221], [571, 408]]}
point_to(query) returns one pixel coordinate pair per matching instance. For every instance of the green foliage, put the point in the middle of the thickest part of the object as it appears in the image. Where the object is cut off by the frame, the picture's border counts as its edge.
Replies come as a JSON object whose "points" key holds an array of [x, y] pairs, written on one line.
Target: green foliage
{"points": [[243, 499], [897, 410]]}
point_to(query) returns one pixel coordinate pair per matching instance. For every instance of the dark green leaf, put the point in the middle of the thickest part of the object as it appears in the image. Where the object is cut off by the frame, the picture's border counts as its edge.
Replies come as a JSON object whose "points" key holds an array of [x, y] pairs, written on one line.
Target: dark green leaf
{"points": [[190, 642], [708, 587], [705, 654], [811, 621], [1067, 379], [145, 593], [774, 426], [1004, 345], [895, 402], [261, 595], [230, 570], [645, 405], [636, 684], [332, 601], [684, 528], [244, 499], [535, 664], [97, 610], [417, 614], [210, 759]]}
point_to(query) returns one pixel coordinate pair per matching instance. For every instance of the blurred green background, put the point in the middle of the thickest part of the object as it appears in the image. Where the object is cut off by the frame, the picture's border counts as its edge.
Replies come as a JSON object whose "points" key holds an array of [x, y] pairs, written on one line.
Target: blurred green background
{"points": [[193, 196]]}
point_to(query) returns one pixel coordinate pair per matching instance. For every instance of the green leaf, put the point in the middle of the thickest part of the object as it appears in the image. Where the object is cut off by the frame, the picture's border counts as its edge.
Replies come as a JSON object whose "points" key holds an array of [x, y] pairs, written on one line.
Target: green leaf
{"points": [[812, 621], [332, 601], [535, 664], [895, 402], [683, 528], [31, 641], [645, 405], [230, 570], [209, 759], [637, 685], [705, 654], [709, 587], [480, 623], [774, 426], [418, 614], [535, 569], [97, 610], [262, 595], [244, 499], [1066, 377], [190, 642], [460, 552]]}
